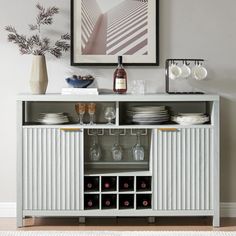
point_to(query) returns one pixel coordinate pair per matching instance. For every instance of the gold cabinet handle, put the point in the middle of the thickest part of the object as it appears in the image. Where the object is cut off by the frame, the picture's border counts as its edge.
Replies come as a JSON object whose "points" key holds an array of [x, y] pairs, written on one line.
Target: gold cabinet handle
{"points": [[168, 129], [71, 129]]}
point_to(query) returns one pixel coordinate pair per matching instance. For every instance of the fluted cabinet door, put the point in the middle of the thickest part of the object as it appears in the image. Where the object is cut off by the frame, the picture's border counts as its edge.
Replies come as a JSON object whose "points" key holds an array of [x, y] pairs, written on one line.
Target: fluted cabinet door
{"points": [[184, 176], [52, 169]]}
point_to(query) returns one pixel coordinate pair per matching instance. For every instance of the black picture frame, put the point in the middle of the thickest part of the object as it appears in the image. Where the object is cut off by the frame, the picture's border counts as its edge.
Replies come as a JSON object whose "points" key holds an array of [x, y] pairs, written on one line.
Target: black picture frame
{"points": [[77, 59]]}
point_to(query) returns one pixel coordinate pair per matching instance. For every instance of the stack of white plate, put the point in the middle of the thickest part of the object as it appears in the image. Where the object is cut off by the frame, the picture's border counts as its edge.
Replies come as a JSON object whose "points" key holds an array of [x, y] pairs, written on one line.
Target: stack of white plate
{"points": [[190, 118], [148, 115], [53, 118]]}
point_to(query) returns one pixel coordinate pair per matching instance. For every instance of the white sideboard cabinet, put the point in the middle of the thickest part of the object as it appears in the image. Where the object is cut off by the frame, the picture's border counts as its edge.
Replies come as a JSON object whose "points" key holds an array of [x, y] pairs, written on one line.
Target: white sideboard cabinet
{"points": [[179, 175]]}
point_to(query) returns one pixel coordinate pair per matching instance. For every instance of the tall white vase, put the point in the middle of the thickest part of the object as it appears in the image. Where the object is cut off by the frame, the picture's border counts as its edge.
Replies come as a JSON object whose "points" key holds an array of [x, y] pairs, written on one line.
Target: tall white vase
{"points": [[39, 76]]}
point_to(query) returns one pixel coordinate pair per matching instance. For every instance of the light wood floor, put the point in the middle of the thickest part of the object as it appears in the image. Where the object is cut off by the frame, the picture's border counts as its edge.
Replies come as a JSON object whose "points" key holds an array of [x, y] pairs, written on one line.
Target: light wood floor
{"points": [[120, 224]]}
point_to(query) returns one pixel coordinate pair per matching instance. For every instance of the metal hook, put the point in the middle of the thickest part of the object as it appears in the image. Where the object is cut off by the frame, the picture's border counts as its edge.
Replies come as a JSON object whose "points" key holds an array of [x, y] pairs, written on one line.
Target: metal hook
{"points": [[187, 63]]}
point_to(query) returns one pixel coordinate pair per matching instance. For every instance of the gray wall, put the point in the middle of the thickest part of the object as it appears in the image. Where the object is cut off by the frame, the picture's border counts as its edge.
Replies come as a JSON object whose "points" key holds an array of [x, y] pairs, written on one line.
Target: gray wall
{"points": [[188, 28]]}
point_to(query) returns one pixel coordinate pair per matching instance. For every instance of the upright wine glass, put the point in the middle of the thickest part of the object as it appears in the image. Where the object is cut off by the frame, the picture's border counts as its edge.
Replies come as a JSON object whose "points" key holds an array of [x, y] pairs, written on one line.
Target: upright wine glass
{"points": [[138, 150], [116, 149], [110, 114], [95, 152], [80, 109], [91, 111]]}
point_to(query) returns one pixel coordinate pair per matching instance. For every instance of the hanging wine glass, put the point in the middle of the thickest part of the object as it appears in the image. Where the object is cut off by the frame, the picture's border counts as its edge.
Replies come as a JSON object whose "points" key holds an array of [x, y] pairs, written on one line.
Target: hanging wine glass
{"points": [[95, 153], [116, 149], [138, 150], [110, 114]]}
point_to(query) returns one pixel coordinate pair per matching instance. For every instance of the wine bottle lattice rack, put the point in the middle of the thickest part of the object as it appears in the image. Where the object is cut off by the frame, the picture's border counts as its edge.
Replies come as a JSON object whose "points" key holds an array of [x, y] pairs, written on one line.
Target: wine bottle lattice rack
{"points": [[117, 192]]}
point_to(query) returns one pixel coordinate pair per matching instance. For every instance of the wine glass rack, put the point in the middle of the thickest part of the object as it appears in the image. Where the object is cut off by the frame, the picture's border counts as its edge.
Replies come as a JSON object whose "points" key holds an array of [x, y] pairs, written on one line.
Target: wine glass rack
{"points": [[112, 132]]}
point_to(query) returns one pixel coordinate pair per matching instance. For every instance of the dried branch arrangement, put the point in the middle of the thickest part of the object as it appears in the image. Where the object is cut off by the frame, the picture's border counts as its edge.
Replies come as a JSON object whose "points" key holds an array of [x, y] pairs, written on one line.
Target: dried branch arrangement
{"points": [[36, 44]]}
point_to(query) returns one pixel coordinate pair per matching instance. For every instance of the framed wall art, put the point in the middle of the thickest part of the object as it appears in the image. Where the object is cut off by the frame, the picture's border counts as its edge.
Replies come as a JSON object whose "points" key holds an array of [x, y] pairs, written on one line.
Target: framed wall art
{"points": [[102, 30]]}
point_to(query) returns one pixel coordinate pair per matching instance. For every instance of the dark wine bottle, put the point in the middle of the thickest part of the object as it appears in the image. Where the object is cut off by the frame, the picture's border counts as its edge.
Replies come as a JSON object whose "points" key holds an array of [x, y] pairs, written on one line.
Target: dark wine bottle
{"points": [[108, 183], [91, 201], [126, 183], [144, 201], [126, 201], [120, 78], [108, 201], [143, 183], [91, 184]]}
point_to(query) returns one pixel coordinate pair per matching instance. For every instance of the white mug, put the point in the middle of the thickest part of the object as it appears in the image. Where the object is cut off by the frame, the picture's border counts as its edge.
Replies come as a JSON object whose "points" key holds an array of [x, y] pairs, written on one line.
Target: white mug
{"points": [[199, 72], [174, 71], [186, 71]]}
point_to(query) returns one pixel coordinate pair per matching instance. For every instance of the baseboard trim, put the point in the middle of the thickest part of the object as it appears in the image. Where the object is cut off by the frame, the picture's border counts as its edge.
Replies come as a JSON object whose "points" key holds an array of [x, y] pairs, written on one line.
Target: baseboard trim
{"points": [[8, 209], [228, 209]]}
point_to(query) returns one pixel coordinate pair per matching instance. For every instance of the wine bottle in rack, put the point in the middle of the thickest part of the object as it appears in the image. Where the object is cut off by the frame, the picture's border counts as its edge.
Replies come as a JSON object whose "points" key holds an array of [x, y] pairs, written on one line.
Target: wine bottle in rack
{"points": [[91, 184], [126, 183], [143, 183], [109, 201], [108, 183], [91, 201], [120, 78], [126, 201], [144, 201]]}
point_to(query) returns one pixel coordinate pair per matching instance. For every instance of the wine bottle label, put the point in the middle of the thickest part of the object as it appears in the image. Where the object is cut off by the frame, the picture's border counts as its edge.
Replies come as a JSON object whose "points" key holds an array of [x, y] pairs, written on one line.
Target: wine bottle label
{"points": [[120, 83]]}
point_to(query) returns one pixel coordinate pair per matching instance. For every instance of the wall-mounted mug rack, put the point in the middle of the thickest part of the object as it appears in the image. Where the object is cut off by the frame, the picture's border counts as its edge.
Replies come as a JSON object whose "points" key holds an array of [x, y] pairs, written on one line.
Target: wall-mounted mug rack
{"points": [[173, 71]]}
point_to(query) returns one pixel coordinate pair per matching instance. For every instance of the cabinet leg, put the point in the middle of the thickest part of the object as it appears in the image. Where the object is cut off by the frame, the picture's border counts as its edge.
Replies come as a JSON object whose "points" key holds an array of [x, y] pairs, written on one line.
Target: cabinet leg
{"points": [[19, 222], [151, 219], [82, 220], [216, 221]]}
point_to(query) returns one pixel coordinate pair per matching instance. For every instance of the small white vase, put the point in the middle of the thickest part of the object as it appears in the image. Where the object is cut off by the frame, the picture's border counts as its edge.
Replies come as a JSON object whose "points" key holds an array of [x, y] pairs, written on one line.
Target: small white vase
{"points": [[39, 76]]}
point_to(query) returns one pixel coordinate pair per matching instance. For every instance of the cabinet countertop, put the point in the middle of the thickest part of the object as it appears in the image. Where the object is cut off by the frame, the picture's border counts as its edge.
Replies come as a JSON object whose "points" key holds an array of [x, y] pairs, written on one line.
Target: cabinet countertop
{"points": [[158, 97]]}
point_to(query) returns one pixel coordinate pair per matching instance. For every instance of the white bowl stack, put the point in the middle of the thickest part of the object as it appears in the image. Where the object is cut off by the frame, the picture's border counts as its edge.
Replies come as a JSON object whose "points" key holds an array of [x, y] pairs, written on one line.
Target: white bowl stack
{"points": [[190, 118], [53, 118]]}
